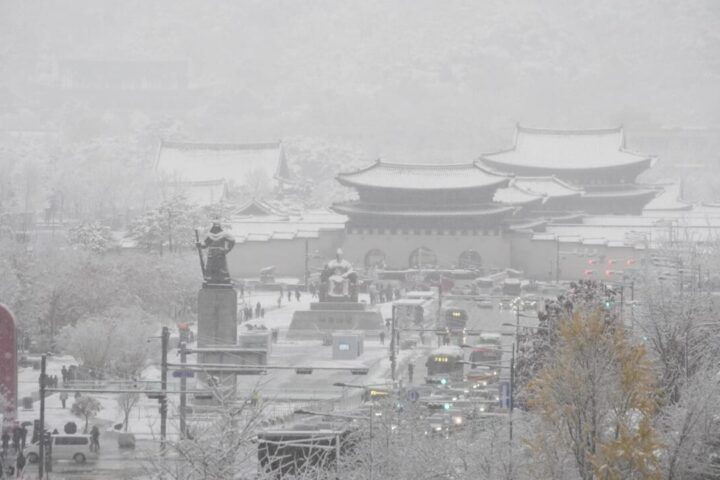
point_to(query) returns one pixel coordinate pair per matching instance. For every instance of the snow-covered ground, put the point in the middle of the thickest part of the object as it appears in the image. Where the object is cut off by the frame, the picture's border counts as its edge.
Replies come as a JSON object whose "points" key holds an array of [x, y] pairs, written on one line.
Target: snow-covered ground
{"points": [[282, 391]]}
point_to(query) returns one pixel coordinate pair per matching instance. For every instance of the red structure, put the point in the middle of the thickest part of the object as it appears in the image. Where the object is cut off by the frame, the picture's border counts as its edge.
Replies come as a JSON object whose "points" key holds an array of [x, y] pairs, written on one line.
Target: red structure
{"points": [[8, 366]]}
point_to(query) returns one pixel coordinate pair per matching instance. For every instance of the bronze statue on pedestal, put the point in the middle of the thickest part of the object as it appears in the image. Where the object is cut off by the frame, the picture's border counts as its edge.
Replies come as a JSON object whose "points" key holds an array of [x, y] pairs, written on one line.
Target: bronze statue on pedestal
{"points": [[218, 244], [338, 281]]}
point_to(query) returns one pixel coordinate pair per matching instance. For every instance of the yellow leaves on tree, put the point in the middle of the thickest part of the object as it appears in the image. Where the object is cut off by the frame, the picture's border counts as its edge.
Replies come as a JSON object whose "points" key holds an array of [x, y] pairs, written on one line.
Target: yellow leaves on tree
{"points": [[595, 395]]}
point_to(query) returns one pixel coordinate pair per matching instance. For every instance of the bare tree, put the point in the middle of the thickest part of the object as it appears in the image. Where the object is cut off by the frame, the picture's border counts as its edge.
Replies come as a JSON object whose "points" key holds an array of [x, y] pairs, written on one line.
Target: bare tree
{"points": [[127, 402]]}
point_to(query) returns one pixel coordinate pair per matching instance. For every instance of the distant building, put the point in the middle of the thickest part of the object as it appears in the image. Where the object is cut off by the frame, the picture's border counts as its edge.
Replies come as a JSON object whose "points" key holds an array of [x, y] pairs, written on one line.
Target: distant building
{"points": [[594, 160], [207, 171], [411, 216]]}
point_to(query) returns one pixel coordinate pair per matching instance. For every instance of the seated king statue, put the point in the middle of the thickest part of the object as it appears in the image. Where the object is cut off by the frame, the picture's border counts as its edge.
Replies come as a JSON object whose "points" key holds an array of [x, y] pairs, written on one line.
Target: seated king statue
{"points": [[218, 244], [339, 281]]}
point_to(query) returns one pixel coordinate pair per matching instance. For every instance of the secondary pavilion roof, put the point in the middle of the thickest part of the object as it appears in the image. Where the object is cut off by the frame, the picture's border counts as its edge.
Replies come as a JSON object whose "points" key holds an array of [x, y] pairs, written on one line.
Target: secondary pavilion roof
{"points": [[425, 177], [236, 162], [540, 150], [531, 190]]}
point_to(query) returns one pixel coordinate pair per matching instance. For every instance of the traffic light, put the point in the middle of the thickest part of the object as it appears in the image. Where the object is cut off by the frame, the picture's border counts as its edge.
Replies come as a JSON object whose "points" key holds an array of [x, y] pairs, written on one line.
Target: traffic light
{"points": [[588, 273], [608, 304], [592, 261], [611, 261], [443, 381], [446, 406], [163, 405], [630, 261]]}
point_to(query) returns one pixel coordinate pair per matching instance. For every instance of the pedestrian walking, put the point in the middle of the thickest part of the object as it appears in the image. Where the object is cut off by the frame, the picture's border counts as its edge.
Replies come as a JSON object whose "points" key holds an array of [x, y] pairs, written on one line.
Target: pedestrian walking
{"points": [[289, 295], [279, 300], [19, 464], [5, 441], [262, 313], [23, 437], [258, 308], [63, 398], [16, 439], [95, 439], [382, 338], [297, 294], [64, 373], [411, 370]]}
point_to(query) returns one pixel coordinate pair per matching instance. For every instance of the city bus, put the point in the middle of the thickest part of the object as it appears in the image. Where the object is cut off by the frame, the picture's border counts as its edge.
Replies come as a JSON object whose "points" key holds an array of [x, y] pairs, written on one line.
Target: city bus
{"points": [[485, 358], [445, 365]]}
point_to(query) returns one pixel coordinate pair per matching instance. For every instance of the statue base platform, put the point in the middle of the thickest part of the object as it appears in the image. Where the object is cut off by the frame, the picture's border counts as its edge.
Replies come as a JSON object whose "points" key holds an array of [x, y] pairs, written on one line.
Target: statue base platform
{"points": [[328, 317], [217, 326], [354, 306]]}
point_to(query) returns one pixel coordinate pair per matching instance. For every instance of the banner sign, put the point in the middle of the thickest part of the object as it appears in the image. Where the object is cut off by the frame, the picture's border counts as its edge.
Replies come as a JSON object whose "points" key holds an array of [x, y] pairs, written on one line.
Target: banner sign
{"points": [[8, 366]]}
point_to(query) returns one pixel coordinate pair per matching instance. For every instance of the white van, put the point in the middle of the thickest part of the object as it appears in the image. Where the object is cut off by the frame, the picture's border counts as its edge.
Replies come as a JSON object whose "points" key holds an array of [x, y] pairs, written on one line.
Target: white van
{"points": [[64, 447]]}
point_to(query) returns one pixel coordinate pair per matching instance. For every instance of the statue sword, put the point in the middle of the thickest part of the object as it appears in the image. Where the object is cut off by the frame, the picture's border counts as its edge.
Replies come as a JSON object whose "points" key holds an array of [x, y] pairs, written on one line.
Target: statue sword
{"points": [[202, 262]]}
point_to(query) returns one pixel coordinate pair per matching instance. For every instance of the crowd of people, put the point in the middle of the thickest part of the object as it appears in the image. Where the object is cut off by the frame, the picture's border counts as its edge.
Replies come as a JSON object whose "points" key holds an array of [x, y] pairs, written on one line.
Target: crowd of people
{"points": [[18, 436]]}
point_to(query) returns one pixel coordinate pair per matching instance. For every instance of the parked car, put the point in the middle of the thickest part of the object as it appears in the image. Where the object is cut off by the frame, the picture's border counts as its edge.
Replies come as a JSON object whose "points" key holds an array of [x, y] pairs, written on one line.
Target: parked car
{"points": [[65, 447]]}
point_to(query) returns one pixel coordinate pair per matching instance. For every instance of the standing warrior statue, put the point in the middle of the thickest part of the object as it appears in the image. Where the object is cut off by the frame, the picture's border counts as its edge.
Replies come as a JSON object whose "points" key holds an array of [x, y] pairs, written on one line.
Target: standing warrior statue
{"points": [[218, 244]]}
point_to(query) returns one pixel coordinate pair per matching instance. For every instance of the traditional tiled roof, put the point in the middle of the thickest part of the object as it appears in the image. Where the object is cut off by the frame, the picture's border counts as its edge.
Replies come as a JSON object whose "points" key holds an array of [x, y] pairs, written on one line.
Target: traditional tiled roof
{"points": [[512, 195], [669, 199], [285, 227], [550, 186], [241, 164], [405, 176], [563, 150], [201, 193], [358, 208]]}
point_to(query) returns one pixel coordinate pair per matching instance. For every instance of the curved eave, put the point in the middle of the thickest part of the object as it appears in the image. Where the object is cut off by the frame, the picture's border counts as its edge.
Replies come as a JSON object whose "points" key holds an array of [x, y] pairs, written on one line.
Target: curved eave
{"points": [[642, 163], [597, 195], [348, 182], [491, 211]]}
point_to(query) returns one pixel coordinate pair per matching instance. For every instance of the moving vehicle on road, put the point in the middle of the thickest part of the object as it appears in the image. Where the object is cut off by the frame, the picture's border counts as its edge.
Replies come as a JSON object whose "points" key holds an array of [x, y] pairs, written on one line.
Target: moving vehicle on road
{"points": [[64, 447], [445, 365]]}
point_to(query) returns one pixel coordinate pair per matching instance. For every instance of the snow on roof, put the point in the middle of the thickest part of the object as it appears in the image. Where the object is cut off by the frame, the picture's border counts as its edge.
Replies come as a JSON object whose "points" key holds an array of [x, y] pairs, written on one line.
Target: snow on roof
{"points": [[287, 227], [566, 150], [669, 199], [201, 193], [448, 350], [242, 164], [549, 186], [513, 195], [406, 176]]}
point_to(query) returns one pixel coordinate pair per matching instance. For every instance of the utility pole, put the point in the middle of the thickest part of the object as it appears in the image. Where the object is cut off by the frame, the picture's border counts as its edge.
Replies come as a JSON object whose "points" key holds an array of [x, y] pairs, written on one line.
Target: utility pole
{"points": [[557, 260], [512, 404], [163, 386], [392, 345], [306, 276], [41, 434], [183, 390]]}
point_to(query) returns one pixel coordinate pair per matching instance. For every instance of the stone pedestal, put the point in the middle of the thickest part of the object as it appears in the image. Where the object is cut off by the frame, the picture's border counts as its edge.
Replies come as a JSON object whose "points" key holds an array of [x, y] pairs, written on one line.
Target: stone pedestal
{"points": [[327, 317], [217, 326]]}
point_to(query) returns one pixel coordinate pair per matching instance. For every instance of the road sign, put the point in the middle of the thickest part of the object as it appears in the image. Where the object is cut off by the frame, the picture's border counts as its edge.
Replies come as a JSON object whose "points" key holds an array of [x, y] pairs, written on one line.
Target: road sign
{"points": [[183, 374], [413, 395], [505, 394]]}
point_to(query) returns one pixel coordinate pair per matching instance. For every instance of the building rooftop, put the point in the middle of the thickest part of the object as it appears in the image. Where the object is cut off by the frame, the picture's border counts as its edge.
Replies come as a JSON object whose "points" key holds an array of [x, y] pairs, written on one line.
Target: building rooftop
{"points": [[405, 176], [549, 186], [566, 150], [242, 164], [285, 226], [201, 193]]}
